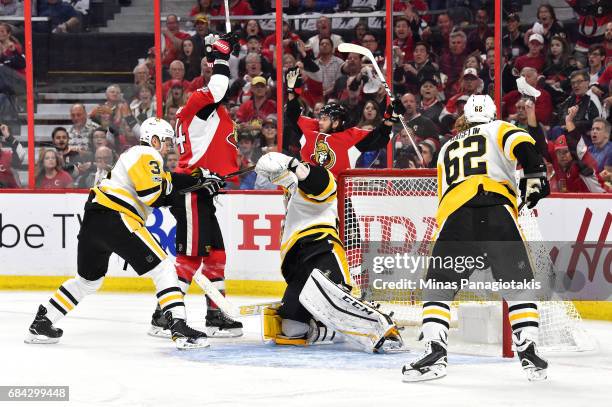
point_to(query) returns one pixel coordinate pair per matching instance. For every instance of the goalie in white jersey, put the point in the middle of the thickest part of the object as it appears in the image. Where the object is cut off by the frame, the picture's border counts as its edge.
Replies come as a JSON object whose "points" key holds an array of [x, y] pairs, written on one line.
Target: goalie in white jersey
{"points": [[114, 222], [317, 305], [477, 209]]}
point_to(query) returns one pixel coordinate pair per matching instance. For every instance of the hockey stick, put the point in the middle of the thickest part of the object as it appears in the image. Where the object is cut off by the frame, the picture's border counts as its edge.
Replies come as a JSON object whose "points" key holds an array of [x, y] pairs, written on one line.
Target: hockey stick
{"points": [[228, 24], [256, 309], [211, 291], [224, 177], [358, 49]]}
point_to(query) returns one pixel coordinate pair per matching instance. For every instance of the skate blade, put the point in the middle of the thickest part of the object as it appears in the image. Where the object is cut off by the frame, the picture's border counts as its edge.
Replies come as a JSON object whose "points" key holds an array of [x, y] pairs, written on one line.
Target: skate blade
{"points": [[40, 339], [536, 375], [414, 375], [215, 332], [159, 332], [188, 344]]}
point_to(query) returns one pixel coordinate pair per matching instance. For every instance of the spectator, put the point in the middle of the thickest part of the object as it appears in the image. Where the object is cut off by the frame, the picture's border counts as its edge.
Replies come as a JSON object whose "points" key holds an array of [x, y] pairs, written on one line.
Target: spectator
{"points": [[63, 17], [9, 8], [252, 29], [513, 42], [543, 104], [519, 119], [12, 71], [370, 41], [101, 137], [324, 29], [142, 77], [269, 131], [470, 83], [601, 147], [593, 17], [237, 8], [558, 68], [587, 107], [121, 118], [403, 38], [260, 105], [204, 7], [144, 106], [202, 80], [72, 159], [439, 36], [533, 57], [421, 126], [570, 175], [171, 161], [596, 58], [177, 96], [253, 44], [104, 161], [547, 24], [248, 156], [452, 59], [409, 75], [200, 23], [12, 156], [404, 154], [359, 31], [428, 150], [82, 128], [477, 38], [173, 38], [49, 172], [289, 40], [370, 115], [329, 65], [177, 75], [430, 105], [170, 115], [190, 60], [608, 43]]}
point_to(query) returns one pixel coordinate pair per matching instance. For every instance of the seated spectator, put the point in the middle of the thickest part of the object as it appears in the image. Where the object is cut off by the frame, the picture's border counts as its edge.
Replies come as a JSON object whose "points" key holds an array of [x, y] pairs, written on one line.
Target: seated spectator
{"points": [[253, 45], [177, 96], [557, 69], [171, 161], [438, 37], [177, 75], [329, 66], [534, 57], [102, 138], [248, 155], [601, 147], [543, 104], [361, 28], [49, 172], [596, 58], [324, 31], [429, 151], [12, 156], [370, 115], [104, 161], [200, 24], [63, 17], [121, 119], [268, 141], [421, 125], [141, 77], [403, 38], [289, 40], [259, 106], [470, 85], [581, 97], [201, 80], [370, 41], [519, 118], [513, 42], [409, 75], [546, 24], [452, 59], [312, 90], [173, 39], [571, 175], [72, 157], [190, 60], [477, 38], [81, 129], [144, 106], [204, 7], [430, 105], [252, 29]]}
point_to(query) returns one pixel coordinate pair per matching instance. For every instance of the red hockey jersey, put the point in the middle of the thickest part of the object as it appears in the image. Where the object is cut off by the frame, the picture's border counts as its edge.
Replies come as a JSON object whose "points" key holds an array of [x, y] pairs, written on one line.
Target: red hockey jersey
{"points": [[207, 140]]}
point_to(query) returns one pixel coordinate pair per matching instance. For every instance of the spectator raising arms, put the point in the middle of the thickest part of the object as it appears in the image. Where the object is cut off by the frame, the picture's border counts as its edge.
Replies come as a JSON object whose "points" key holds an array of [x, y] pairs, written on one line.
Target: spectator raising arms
{"points": [[49, 171]]}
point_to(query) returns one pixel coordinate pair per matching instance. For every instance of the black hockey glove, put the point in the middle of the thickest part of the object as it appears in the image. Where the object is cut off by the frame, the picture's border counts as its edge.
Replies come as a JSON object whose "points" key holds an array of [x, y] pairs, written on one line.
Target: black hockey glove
{"points": [[211, 184], [224, 45], [533, 187], [394, 110]]}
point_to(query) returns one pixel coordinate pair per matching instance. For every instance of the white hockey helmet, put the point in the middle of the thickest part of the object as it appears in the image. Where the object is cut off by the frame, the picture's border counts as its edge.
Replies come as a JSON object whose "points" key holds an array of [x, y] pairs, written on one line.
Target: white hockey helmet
{"points": [[154, 126], [480, 109]]}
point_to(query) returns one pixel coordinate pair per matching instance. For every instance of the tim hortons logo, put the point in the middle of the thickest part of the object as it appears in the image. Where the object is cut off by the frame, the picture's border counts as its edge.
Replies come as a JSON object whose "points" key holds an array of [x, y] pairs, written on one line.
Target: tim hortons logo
{"points": [[249, 231], [591, 252], [396, 233]]}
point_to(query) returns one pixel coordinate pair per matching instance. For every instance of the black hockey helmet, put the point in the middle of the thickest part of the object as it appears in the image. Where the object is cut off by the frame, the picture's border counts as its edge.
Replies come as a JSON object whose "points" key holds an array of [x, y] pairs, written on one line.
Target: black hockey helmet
{"points": [[335, 111]]}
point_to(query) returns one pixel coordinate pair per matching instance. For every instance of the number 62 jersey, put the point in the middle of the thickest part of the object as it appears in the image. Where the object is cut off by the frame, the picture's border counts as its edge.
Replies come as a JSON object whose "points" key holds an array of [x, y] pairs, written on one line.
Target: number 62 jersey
{"points": [[481, 157]]}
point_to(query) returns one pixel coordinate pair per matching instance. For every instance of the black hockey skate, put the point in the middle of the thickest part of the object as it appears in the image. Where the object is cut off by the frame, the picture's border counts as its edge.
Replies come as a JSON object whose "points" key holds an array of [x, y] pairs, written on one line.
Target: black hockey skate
{"points": [[159, 324], [185, 336], [42, 329], [221, 325], [432, 364], [533, 365]]}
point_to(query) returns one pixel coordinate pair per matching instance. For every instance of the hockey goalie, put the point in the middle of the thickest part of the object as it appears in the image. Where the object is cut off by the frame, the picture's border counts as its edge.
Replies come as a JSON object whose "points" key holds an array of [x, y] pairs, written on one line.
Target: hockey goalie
{"points": [[317, 306]]}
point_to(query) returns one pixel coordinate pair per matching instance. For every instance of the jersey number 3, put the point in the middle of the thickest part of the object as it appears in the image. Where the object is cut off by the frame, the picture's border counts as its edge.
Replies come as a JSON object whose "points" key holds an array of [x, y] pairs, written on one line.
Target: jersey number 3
{"points": [[463, 161]]}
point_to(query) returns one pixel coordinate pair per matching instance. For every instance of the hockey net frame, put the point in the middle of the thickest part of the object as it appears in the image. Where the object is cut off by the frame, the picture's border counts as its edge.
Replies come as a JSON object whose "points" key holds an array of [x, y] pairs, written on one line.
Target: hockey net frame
{"points": [[560, 322]]}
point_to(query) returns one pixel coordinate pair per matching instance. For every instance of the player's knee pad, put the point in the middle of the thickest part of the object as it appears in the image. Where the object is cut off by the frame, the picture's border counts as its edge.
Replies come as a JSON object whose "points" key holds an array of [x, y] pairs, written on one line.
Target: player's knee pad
{"points": [[80, 287], [357, 321], [186, 266]]}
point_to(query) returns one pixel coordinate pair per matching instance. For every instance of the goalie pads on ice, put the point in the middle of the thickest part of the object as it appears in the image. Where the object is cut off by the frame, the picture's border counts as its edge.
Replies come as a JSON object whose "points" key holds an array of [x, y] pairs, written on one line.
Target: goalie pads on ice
{"points": [[274, 327], [357, 321]]}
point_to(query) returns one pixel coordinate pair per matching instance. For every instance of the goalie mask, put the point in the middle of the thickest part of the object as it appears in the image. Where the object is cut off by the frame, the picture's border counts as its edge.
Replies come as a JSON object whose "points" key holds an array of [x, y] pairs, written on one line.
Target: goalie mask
{"points": [[155, 127], [480, 109]]}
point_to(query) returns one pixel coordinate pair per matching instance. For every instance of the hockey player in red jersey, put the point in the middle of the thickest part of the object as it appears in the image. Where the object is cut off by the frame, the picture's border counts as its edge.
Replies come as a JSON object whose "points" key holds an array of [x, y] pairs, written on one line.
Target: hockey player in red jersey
{"points": [[206, 141], [327, 142]]}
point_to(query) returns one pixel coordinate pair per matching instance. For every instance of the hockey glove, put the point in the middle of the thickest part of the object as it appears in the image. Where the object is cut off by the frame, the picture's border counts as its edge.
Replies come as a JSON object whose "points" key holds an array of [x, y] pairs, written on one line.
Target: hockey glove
{"points": [[533, 187], [211, 184], [294, 80], [394, 110], [224, 45]]}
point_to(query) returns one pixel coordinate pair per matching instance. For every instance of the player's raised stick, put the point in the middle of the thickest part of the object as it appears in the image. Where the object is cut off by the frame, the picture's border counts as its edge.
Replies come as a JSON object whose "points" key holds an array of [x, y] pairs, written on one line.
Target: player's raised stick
{"points": [[358, 49], [228, 24]]}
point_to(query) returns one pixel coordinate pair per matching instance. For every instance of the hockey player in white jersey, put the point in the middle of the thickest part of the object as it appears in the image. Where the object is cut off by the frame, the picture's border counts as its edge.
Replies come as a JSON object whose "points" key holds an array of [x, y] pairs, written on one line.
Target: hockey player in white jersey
{"points": [[477, 204], [317, 305], [114, 221]]}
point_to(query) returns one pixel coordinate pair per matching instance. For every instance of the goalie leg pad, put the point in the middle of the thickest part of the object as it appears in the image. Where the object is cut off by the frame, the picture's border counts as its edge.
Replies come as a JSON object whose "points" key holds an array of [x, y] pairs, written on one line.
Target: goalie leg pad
{"points": [[356, 320]]}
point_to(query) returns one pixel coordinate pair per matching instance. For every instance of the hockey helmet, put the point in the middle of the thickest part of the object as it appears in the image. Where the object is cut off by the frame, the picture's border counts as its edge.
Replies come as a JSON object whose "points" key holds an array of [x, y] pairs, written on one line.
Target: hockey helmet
{"points": [[154, 126], [480, 109], [335, 111]]}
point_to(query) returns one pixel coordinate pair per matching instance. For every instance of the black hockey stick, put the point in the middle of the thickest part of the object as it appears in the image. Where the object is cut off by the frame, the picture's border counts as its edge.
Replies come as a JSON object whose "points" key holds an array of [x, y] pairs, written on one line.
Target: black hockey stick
{"points": [[224, 177]]}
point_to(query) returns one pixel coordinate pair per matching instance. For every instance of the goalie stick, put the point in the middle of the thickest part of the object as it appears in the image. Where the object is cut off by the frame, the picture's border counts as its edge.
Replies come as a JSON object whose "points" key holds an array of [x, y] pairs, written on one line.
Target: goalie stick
{"points": [[223, 177], [358, 49]]}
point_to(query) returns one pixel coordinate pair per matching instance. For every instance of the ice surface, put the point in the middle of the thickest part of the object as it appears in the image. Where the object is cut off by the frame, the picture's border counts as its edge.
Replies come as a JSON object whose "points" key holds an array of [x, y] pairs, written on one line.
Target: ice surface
{"points": [[107, 359]]}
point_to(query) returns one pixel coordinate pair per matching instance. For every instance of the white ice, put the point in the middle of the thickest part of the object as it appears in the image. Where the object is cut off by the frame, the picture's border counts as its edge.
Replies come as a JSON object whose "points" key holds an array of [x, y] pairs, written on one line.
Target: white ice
{"points": [[107, 359]]}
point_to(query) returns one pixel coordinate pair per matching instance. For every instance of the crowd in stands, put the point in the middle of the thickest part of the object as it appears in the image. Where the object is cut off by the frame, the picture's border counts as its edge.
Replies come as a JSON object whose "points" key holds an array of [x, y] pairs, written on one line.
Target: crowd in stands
{"points": [[443, 51]]}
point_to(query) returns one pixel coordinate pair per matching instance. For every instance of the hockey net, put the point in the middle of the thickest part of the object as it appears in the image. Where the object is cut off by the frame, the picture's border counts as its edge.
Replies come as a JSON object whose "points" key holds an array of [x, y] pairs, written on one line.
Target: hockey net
{"points": [[398, 206]]}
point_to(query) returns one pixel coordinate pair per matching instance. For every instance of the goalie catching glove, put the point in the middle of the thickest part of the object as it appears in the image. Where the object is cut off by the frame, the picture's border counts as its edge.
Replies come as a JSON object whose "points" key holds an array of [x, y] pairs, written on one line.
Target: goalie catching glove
{"points": [[282, 170]]}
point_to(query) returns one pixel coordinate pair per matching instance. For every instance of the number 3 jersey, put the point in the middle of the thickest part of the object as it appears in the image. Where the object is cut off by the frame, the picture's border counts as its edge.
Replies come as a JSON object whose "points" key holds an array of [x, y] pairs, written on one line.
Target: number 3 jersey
{"points": [[480, 158], [135, 183]]}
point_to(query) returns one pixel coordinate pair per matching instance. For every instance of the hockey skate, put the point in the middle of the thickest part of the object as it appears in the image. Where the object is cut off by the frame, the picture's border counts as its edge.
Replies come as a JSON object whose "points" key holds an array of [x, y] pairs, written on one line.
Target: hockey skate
{"points": [[159, 325], [221, 325], [533, 365], [432, 365], [184, 336], [42, 329]]}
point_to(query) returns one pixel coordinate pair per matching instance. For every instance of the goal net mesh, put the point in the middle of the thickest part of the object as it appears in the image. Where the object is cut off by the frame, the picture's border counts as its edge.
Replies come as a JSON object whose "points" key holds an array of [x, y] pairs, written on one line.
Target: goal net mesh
{"points": [[393, 207]]}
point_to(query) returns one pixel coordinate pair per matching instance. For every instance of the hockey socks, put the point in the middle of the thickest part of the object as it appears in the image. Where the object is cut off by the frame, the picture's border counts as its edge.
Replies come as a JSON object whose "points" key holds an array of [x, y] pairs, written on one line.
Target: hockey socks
{"points": [[436, 320], [69, 295]]}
